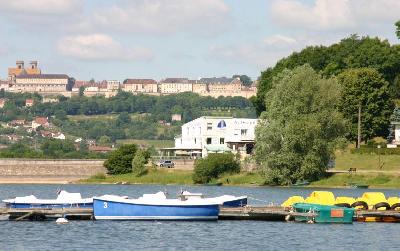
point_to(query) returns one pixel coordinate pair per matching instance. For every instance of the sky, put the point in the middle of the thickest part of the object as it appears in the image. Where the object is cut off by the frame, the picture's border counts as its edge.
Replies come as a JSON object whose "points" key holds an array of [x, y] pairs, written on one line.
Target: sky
{"points": [[119, 39]]}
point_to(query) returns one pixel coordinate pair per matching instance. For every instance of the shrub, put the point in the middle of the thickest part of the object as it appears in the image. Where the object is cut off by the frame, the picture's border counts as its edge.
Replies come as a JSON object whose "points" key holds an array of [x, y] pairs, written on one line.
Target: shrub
{"points": [[138, 163], [120, 160], [213, 166], [99, 176]]}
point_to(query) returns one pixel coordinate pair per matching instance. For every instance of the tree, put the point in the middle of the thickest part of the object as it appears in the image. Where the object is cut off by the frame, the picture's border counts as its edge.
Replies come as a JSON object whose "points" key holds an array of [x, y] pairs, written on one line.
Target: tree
{"points": [[60, 115], [299, 131], [246, 80], [212, 166], [104, 140], [367, 88], [138, 163], [123, 119], [81, 91], [398, 29], [351, 52], [120, 160]]}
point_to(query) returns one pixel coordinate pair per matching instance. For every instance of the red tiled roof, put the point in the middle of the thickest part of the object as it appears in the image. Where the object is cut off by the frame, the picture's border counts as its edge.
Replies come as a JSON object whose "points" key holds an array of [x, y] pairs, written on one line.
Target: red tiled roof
{"points": [[41, 120], [80, 83], [100, 149]]}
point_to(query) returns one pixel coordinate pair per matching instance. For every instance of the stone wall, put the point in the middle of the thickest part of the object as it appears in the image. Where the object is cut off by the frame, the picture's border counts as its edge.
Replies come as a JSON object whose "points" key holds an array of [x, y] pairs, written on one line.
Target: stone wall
{"points": [[48, 169]]}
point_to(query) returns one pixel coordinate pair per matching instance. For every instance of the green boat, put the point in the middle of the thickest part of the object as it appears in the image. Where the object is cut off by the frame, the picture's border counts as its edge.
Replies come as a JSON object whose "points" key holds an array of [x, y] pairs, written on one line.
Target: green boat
{"points": [[301, 183], [324, 213], [355, 185]]}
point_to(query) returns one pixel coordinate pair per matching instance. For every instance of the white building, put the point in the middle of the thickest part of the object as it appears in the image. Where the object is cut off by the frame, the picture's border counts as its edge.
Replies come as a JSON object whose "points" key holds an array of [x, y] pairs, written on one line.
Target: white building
{"points": [[216, 134], [175, 85]]}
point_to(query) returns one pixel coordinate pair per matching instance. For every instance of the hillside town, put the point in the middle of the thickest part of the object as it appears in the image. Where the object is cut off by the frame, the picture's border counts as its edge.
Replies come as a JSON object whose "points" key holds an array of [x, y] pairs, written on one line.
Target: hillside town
{"points": [[29, 78]]}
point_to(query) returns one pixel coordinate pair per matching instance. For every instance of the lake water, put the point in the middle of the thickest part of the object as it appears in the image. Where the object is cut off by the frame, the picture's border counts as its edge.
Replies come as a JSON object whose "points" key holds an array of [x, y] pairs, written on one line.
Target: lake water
{"points": [[221, 235]]}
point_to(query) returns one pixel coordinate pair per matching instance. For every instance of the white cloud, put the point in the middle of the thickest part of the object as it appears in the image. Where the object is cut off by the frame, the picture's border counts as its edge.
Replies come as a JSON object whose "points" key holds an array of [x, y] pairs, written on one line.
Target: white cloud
{"points": [[334, 14], [100, 47], [260, 54], [164, 16], [33, 7]]}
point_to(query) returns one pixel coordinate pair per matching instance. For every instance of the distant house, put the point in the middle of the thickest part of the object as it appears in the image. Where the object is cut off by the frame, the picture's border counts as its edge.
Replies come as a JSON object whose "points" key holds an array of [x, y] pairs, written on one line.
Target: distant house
{"points": [[46, 134], [100, 149], [58, 135], [78, 140], [29, 102], [14, 137], [176, 117], [40, 121], [16, 122], [91, 142], [50, 100], [2, 102]]}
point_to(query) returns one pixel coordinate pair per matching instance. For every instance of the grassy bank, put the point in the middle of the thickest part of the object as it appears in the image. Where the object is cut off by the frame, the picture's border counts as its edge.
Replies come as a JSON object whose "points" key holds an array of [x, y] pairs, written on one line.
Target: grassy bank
{"points": [[374, 180], [170, 176], [346, 160], [148, 142]]}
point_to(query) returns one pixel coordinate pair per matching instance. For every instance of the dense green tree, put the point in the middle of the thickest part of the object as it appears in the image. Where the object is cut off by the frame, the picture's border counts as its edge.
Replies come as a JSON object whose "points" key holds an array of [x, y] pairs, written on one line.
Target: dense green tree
{"points": [[56, 148], [351, 52], [123, 119], [212, 166], [139, 163], [246, 80], [120, 160], [398, 29], [367, 88], [299, 131], [104, 140], [81, 91]]}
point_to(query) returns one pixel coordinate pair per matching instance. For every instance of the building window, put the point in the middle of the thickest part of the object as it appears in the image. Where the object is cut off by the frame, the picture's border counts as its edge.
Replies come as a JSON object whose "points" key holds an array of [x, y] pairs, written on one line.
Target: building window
{"points": [[209, 126], [222, 141], [208, 141], [243, 132], [195, 141]]}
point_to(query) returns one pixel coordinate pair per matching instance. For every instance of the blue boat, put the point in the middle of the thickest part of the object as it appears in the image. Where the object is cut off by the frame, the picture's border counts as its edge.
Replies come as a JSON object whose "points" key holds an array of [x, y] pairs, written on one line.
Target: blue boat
{"points": [[63, 200], [224, 200], [153, 207]]}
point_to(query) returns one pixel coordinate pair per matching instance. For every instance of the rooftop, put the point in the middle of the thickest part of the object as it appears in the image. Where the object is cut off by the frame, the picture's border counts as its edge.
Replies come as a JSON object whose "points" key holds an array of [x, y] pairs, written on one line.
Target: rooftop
{"points": [[45, 76], [139, 81]]}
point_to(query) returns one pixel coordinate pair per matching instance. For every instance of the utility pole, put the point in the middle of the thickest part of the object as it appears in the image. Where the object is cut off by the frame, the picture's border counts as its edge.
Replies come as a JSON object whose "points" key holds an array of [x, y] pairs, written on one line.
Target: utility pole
{"points": [[359, 127]]}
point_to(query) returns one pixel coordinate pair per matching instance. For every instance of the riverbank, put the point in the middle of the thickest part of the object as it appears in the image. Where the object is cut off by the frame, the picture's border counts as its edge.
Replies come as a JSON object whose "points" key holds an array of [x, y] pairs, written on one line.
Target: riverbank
{"points": [[181, 177], [170, 176], [374, 180]]}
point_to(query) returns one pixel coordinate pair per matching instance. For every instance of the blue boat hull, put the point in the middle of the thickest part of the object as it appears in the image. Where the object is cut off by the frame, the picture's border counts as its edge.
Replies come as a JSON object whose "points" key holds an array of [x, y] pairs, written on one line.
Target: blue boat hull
{"points": [[51, 205], [235, 203], [112, 210]]}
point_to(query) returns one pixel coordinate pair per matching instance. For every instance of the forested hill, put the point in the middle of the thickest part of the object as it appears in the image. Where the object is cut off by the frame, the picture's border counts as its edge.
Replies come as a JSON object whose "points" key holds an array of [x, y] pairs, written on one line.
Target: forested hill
{"points": [[189, 105], [352, 52]]}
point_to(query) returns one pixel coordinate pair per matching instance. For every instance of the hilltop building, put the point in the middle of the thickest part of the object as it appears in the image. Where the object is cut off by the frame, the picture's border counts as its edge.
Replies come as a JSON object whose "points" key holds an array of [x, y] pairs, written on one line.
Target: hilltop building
{"points": [[41, 83], [175, 85], [137, 86], [215, 134], [20, 69]]}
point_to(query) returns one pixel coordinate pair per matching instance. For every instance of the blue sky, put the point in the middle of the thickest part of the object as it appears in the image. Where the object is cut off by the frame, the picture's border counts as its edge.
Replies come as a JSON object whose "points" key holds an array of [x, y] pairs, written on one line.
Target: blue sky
{"points": [[118, 39]]}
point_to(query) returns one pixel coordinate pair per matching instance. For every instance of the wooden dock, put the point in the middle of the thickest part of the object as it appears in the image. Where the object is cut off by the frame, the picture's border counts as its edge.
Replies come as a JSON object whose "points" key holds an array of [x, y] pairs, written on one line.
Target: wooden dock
{"points": [[266, 213], [47, 213], [260, 213]]}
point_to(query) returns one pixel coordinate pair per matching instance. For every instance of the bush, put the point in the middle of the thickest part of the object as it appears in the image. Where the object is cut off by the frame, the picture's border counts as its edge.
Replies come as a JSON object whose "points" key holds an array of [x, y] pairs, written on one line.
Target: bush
{"points": [[120, 160], [213, 166], [99, 176], [138, 163]]}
